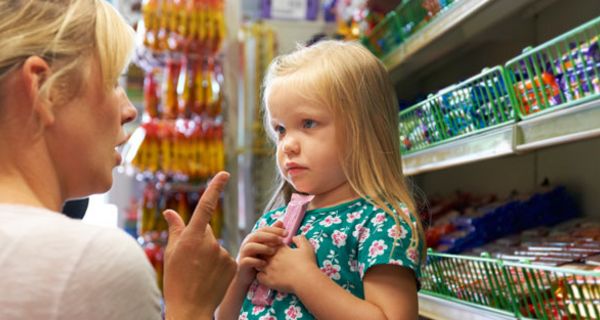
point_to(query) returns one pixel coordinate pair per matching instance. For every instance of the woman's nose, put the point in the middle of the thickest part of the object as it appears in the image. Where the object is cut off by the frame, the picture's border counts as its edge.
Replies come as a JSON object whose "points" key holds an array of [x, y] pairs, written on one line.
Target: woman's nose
{"points": [[128, 110]]}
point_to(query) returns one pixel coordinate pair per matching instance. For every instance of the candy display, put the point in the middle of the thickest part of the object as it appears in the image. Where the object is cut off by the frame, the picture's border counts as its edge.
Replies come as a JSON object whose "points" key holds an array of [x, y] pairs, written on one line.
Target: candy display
{"points": [[190, 26], [382, 35], [474, 105], [172, 195], [158, 197], [530, 254], [568, 243], [546, 77], [529, 290], [561, 72], [420, 127], [414, 15], [181, 148], [579, 69], [185, 88], [468, 222], [533, 95], [182, 124]]}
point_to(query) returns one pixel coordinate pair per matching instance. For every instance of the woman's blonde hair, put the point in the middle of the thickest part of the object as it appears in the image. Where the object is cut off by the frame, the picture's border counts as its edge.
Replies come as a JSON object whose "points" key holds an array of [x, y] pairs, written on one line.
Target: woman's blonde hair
{"points": [[355, 86], [65, 33]]}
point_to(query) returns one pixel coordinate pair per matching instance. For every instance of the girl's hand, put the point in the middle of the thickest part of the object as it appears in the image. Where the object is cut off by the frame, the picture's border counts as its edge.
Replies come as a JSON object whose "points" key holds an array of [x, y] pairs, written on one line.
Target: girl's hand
{"points": [[256, 248], [283, 268]]}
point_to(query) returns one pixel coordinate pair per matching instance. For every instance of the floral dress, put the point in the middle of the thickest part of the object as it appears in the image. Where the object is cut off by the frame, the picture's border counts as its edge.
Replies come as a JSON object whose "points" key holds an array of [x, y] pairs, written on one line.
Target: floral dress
{"points": [[348, 239]]}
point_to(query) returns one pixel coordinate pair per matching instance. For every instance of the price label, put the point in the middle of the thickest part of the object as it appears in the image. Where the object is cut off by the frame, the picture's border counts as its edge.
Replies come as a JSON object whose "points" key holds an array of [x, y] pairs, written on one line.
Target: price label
{"points": [[289, 9]]}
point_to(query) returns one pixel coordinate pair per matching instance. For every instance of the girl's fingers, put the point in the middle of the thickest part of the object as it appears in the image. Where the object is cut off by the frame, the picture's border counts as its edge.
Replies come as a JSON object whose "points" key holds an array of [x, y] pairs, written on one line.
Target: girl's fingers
{"points": [[274, 230], [251, 262], [254, 249], [278, 224], [265, 237]]}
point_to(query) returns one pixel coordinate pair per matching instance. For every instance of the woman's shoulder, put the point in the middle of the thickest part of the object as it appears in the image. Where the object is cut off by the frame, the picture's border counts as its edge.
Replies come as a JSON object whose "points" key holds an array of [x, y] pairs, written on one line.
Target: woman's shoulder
{"points": [[96, 263], [68, 237]]}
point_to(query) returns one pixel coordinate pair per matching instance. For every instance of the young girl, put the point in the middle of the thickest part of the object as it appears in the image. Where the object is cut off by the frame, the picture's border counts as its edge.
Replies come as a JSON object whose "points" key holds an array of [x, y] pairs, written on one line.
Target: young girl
{"points": [[332, 112]]}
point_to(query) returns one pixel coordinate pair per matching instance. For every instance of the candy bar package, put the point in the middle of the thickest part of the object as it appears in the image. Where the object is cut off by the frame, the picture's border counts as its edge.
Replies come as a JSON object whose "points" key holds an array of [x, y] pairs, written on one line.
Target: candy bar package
{"points": [[593, 260]]}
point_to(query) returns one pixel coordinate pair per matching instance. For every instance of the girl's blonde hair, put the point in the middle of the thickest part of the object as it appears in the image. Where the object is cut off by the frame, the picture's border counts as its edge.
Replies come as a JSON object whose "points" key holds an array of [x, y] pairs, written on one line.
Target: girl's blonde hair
{"points": [[65, 33], [355, 86]]}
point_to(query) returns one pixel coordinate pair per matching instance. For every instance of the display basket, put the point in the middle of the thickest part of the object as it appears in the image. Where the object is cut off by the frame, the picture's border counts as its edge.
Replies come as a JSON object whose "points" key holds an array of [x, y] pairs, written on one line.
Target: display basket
{"points": [[526, 290], [478, 104], [385, 36], [558, 74]]}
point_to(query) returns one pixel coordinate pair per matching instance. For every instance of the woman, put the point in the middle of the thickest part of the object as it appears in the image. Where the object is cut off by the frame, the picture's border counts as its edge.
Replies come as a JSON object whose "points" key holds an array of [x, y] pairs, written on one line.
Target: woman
{"points": [[61, 117]]}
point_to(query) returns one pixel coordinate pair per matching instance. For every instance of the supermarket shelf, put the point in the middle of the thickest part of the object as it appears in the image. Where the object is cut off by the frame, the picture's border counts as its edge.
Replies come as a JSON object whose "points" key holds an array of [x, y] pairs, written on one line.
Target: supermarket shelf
{"points": [[441, 309], [563, 126], [448, 32], [492, 144]]}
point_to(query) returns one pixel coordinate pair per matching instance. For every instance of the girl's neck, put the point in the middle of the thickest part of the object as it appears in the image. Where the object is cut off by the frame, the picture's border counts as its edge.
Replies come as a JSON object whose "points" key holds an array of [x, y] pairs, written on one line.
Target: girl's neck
{"points": [[341, 194]]}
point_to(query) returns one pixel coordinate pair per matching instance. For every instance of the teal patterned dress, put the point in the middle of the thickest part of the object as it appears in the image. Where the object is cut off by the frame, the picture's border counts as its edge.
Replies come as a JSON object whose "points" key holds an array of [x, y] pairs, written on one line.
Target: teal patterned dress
{"points": [[348, 239]]}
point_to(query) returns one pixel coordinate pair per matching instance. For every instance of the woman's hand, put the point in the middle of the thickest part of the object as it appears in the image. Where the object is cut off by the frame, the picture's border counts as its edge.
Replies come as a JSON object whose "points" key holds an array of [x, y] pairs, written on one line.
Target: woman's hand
{"points": [[197, 269]]}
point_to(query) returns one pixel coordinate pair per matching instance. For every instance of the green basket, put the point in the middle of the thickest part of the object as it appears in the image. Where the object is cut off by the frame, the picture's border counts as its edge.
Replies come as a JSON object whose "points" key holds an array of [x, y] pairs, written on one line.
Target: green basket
{"points": [[401, 23], [412, 16], [480, 103], [559, 73], [525, 290], [415, 14], [385, 36], [421, 127]]}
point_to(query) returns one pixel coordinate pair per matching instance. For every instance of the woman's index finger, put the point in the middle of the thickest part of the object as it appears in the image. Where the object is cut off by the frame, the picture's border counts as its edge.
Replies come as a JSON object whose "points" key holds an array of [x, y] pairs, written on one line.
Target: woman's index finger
{"points": [[208, 202]]}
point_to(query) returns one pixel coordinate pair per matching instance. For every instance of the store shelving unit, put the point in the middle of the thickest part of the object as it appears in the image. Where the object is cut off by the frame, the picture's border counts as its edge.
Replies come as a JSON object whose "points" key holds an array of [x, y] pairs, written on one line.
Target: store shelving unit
{"points": [[449, 31], [441, 43], [437, 308], [488, 145], [564, 126]]}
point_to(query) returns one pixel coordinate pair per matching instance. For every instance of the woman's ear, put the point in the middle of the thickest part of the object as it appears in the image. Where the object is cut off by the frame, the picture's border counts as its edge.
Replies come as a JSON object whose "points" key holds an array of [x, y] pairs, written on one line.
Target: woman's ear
{"points": [[35, 72]]}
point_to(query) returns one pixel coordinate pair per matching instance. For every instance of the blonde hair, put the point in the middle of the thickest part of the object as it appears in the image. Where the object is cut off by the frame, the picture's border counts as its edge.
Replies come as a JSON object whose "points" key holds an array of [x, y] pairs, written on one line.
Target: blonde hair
{"points": [[346, 78], [65, 33]]}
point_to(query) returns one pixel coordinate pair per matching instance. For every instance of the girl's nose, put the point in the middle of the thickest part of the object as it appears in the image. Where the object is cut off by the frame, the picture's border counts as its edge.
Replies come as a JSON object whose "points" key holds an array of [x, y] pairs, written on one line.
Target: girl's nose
{"points": [[290, 145]]}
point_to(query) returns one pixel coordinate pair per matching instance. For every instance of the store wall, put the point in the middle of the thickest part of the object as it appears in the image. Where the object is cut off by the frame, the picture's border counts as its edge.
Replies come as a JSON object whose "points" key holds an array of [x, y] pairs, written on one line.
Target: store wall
{"points": [[574, 165]]}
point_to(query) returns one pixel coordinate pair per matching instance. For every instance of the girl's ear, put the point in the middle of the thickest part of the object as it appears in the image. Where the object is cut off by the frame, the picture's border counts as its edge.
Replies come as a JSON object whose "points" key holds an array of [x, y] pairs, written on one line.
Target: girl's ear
{"points": [[35, 72]]}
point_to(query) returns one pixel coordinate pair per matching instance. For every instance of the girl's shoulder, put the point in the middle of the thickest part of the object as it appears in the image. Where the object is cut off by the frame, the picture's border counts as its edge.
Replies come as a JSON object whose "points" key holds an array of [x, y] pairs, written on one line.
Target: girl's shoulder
{"points": [[374, 209]]}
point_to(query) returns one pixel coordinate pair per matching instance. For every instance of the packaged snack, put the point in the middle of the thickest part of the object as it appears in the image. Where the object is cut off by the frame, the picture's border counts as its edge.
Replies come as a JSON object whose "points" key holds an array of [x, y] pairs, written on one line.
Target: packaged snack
{"points": [[593, 260], [538, 94]]}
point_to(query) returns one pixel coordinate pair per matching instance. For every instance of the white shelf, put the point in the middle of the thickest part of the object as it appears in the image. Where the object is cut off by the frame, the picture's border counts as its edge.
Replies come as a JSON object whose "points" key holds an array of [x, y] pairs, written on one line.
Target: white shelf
{"points": [[442, 309], [492, 144], [562, 126], [449, 31]]}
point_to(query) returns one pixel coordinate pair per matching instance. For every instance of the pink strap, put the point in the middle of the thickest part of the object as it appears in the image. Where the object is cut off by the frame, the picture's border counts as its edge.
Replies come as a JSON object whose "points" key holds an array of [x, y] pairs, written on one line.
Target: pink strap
{"points": [[294, 214]]}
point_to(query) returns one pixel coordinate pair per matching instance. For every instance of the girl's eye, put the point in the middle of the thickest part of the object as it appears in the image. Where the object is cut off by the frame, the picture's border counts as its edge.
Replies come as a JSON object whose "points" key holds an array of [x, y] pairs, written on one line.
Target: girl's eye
{"points": [[308, 123], [280, 130]]}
